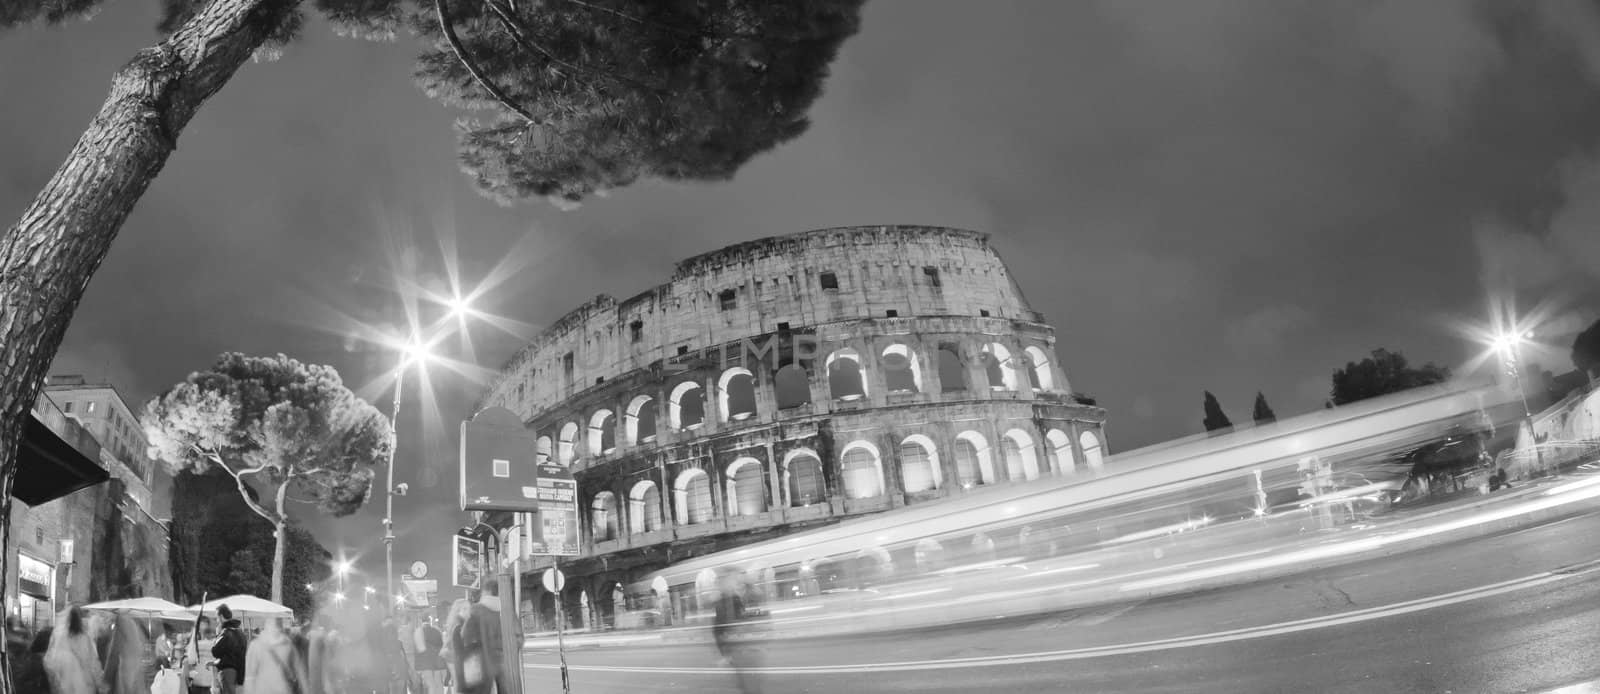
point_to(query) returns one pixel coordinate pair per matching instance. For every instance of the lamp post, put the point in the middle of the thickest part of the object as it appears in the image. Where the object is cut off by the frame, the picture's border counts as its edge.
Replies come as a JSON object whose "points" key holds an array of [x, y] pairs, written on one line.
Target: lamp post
{"points": [[1508, 344]]}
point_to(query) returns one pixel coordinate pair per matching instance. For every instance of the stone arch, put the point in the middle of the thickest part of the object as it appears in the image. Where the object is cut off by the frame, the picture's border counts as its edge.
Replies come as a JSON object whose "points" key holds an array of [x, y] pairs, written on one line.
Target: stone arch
{"points": [[929, 554], [793, 386], [1039, 374], [862, 469], [803, 473], [997, 365], [644, 507], [901, 372], [568, 447], [746, 489], [1061, 444], [602, 432], [736, 394], [541, 454], [641, 420], [952, 371], [692, 496], [1022, 460], [846, 379], [919, 464], [1093, 452], [687, 406], [974, 460], [603, 516]]}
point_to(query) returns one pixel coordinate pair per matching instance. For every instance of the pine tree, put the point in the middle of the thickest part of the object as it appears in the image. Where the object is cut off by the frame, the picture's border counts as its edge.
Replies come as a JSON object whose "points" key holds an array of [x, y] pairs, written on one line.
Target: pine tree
{"points": [[1215, 419], [1263, 413], [1383, 373]]}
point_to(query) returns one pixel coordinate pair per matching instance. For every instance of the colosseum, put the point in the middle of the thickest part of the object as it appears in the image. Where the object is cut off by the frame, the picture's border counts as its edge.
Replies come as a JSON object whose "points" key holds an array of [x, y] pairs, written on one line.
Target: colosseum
{"points": [[784, 383]]}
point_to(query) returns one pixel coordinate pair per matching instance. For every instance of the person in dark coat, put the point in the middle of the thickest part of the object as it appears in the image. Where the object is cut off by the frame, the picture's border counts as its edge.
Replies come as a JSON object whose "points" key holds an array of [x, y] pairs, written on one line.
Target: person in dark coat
{"points": [[482, 649], [429, 662], [230, 651]]}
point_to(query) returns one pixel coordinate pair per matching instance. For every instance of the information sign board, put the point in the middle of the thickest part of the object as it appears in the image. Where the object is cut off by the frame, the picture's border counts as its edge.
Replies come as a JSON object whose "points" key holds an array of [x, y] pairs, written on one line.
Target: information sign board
{"points": [[466, 561], [497, 463], [557, 527]]}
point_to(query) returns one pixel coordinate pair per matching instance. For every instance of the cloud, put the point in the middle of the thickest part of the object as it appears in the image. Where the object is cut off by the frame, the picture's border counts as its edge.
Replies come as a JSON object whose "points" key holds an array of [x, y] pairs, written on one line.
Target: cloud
{"points": [[1266, 329], [1575, 228]]}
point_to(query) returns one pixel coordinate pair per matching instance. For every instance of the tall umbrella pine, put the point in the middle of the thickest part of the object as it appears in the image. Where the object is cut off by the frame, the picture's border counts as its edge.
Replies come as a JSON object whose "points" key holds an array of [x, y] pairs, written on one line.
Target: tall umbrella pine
{"points": [[276, 426]]}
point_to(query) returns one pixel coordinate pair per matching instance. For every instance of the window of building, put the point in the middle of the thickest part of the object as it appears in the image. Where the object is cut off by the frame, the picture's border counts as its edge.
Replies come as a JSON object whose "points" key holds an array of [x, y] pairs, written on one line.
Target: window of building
{"points": [[728, 299], [683, 349], [599, 380], [89, 407], [983, 312], [636, 330], [68, 408], [783, 327], [892, 313], [568, 362], [828, 280], [38, 535], [932, 274], [952, 374], [793, 386]]}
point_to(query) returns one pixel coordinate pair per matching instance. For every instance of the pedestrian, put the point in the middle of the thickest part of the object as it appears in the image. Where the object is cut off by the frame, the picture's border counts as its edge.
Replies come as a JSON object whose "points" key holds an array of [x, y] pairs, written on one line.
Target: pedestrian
{"points": [[273, 664], [71, 662], [229, 650], [429, 642], [131, 657], [30, 672], [199, 666], [482, 648], [460, 610]]}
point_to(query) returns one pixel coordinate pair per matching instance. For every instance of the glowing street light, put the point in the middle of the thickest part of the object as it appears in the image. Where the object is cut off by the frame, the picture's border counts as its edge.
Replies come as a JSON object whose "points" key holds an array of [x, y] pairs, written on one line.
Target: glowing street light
{"points": [[341, 568], [338, 597]]}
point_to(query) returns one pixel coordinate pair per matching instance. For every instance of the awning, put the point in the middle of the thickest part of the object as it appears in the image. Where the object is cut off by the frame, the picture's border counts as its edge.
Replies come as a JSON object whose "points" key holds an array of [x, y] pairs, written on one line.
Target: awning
{"points": [[50, 468]]}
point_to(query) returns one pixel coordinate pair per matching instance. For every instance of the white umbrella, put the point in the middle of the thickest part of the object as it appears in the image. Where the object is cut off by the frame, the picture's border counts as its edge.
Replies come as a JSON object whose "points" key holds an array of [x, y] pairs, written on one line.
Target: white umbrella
{"points": [[148, 605], [242, 606]]}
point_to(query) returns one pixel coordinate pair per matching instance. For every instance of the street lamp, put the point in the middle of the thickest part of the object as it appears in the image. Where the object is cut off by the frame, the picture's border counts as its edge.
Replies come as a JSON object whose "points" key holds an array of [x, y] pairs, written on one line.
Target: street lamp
{"points": [[341, 568]]}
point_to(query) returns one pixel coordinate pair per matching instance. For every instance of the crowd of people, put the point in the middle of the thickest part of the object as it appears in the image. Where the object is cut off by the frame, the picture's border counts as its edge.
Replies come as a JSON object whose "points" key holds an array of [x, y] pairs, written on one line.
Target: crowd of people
{"points": [[360, 652]]}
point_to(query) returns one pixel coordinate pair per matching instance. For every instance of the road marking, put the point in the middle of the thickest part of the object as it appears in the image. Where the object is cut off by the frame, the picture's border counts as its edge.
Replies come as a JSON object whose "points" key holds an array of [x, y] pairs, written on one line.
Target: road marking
{"points": [[1218, 637]]}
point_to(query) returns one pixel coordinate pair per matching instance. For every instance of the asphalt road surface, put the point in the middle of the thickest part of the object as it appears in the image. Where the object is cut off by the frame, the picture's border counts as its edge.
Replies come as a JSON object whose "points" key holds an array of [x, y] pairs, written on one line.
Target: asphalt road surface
{"points": [[1514, 612]]}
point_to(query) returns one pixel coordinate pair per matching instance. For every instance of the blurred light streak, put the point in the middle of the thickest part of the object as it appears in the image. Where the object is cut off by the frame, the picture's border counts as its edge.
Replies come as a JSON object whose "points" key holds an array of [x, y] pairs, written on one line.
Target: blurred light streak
{"points": [[914, 594]]}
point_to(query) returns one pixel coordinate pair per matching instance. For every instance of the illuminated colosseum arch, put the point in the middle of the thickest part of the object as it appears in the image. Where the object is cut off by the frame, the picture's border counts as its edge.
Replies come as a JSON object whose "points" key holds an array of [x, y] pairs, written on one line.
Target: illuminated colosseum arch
{"points": [[1039, 375], [802, 471], [736, 394], [846, 379], [692, 496], [746, 490], [1093, 452], [542, 451], [1022, 461], [644, 508], [687, 406], [641, 420], [602, 432], [793, 386], [603, 516], [997, 365], [974, 461], [862, 469], [1061, 444], [568, 446], [901, 372], [919, 464], [952, 371]]}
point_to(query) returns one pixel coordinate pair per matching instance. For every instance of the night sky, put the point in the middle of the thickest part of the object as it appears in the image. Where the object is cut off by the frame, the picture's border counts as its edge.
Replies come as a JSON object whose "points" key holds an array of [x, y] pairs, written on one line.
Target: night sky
{"points": [[1224, 196]]}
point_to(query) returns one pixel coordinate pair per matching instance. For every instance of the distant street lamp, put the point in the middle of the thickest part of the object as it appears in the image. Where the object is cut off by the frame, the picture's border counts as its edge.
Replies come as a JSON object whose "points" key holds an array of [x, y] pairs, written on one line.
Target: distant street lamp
{"points": [[341, 568], [1508, 344]]}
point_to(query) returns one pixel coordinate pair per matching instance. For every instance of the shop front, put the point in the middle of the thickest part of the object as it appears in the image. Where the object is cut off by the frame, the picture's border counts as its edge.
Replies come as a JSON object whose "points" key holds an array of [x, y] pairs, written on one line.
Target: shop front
{"points": [[34, 603]]}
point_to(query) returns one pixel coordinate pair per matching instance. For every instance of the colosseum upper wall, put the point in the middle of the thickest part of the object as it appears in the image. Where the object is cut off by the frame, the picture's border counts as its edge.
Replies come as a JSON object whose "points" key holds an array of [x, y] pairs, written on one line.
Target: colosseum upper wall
{"points": [[807, 280]]}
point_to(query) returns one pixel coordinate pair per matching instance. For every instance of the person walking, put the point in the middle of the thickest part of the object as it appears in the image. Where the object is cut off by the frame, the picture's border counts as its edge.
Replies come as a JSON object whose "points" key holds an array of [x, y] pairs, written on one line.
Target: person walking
{"points": [[71, 662], [482, 648], [429, 642], [131, 657], [273, 664], [460, 610], [229, 650], [199, 666]]}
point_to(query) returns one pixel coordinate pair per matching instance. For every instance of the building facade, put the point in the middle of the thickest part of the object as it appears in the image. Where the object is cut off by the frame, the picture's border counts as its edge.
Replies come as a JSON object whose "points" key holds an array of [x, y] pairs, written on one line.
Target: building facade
{"points": [[789, 382]]}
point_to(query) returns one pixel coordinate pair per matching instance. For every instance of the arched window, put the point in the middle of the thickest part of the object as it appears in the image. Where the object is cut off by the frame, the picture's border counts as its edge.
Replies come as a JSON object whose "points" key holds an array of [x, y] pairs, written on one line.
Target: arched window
{"points": [[644, 508], [603, 516], [952, 373], [919, 464], [997, 365], [1021, 460], [693, 496], [974, 464], [793, 386], [641, 420], [746, 495], [1061, 445], [1039, 369], [687, 406], [845, 379], [929, 555], [542, 452], [602, 432], [862, 468], [901, 372], [569, 442], [736, 394], [1092, 453], [803, 470]]}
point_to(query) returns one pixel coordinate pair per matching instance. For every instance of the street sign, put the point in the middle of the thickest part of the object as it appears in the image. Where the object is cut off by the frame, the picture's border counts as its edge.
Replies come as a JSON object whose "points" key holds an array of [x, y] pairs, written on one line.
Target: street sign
{"points": [[554, 580], [497, 463], [557, 493], [466, 561], [419, 593], [419, 569]]}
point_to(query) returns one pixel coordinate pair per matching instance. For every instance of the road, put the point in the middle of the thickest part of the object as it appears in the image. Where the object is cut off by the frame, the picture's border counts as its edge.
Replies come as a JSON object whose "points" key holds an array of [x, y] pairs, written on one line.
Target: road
{"points": [[1513, 612]]}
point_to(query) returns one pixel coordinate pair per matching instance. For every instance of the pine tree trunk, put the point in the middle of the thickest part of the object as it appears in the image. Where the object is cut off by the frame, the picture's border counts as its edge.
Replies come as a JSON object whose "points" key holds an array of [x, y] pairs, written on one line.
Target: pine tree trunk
{"points": [[49, 255], [280, 543]]}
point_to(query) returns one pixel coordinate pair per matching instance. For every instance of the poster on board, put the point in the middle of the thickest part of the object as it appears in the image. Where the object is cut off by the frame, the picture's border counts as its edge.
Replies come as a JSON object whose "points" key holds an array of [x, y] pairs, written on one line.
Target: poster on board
{"points": [[466, 561]]}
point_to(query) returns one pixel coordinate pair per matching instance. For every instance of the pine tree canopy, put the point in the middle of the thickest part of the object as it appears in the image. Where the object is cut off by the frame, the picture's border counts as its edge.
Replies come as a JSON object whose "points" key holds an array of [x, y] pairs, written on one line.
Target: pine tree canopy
{"points": [[1263, 413], [1586, 350], [1383, 373], [578, 97], [1215, 418]]}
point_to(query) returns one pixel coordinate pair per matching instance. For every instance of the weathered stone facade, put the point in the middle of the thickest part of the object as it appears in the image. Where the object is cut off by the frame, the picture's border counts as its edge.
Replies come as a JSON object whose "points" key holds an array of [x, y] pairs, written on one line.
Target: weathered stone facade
{"points": [[789, 382]]}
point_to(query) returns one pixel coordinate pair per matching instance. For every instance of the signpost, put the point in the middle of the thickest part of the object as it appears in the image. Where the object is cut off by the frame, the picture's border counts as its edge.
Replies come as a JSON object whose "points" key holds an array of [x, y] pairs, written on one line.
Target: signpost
{"points": [[499, 473]]}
